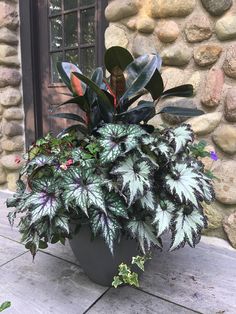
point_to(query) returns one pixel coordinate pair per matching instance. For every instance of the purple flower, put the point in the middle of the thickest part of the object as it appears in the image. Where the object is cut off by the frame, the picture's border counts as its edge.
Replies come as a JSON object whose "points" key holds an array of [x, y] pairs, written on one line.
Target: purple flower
{"points": [[213, 155]]}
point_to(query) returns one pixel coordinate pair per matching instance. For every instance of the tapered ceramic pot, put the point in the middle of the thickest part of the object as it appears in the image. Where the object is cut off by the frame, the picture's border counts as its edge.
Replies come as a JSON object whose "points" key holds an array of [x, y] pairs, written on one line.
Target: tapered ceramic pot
{"points": [[96, 259]]}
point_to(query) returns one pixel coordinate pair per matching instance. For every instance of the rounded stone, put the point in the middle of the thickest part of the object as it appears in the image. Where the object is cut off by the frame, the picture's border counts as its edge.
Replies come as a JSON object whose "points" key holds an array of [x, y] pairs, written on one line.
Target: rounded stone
{"points": [[225, 185], [167, 31], [8, 15], [179, 54], [176, 119], [12, 129], [217, 7], [13, 114], [14, 144], [225, 138], [173, 77], [7, 51], [213, 215], [195, 80], [12, 161], [230, 105], [171, 8], [132, 24], [198, 28], [145, 24], [229, 225], [120, 9], [11, 181], [207, 54], [7, 36], [10, 61], [115, 36], [206, 123], [226, 27], [229, 64], [10, 97], [143, 44], [9, 76], [3, 176], [213, 88]]}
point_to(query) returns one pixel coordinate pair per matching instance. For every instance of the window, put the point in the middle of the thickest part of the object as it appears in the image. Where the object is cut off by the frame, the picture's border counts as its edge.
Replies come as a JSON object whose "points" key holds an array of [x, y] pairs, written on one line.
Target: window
{"points": [[72, 34]]}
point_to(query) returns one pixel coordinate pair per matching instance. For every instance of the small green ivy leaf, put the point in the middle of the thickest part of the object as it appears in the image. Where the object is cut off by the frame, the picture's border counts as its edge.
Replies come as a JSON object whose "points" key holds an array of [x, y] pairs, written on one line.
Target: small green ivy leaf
{"points": [[5, 306], [116, 281], [139, 261]]}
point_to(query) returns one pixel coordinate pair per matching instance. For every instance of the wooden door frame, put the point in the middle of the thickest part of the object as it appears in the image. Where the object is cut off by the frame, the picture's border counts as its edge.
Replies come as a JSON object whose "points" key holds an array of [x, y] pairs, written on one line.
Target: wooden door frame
{"points": [[30, 61]]}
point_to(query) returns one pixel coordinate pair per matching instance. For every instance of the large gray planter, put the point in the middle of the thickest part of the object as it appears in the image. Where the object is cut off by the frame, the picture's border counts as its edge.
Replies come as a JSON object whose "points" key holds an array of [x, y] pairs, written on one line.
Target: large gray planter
{"points": [[96, 259]]}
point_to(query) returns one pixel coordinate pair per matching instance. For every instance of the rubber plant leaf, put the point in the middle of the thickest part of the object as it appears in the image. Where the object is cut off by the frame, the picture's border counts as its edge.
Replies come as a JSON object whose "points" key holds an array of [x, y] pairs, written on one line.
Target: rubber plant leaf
{"points": [[156, 86], [79, 100], [187, 226], [143, 112], [117, 82], [106, 107], [65, 69], [138, 74], [118, 139], [97, 78], [76, 127], [134, 176], [69, 116], [78, 87], [181, 91], [181, 111], [83, 189], [117, 57]]}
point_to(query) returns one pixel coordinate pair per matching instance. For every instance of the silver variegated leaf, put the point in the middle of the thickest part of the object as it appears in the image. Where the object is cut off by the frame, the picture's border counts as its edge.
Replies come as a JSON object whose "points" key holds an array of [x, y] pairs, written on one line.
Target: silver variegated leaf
{"points": [[37, 162], [117, 139], [159, 146], [180, 137], [188, 185], [149, 201], [105, 225], [163, 215], [187, 227], [134, 177], [144, 232], [62, 222], [83, 189], [116, 205]]}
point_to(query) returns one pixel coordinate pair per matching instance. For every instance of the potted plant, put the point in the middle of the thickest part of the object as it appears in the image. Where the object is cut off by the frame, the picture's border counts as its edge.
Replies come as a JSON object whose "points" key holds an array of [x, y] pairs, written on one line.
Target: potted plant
{"points": [[112, 183]]}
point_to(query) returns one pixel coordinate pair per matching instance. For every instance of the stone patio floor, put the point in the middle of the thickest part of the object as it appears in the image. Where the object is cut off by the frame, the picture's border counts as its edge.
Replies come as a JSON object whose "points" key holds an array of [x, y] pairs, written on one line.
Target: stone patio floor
{"points": [[201, 280]]}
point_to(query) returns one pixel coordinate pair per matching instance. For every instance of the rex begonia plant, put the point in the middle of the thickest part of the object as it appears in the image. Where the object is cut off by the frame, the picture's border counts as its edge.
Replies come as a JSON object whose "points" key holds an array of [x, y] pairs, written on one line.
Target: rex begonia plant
{"points": [[112, 170]]}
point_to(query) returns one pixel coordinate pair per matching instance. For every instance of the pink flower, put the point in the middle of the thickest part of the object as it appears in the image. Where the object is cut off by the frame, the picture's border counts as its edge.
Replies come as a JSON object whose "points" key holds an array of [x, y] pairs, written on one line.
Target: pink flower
{"points": [[69, 162], [63, 166]]}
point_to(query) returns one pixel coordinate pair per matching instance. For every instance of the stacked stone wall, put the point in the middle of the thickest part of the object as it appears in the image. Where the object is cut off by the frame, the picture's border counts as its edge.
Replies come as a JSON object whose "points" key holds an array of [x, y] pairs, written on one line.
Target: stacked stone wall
{"points": [[11, 112], [197, 42]]}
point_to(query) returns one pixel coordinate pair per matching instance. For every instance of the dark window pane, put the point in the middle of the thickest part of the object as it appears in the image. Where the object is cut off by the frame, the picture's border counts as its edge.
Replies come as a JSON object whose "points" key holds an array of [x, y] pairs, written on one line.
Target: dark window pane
{"points": [[71, 56], [70, 4], [55, 57], [56, 32], [54, 6], [71, 30], [87, 60], [86, 2], [87, 26]]}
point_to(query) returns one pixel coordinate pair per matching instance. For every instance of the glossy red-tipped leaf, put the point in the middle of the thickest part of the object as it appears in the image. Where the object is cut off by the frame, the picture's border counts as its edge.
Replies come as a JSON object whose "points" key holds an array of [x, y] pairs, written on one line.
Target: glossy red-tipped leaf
{"points": [[76, 85]]}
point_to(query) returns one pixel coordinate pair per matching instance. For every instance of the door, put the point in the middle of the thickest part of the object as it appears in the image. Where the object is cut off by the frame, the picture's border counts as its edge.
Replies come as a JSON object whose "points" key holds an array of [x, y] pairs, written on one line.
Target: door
{"points": [[61, 30]]}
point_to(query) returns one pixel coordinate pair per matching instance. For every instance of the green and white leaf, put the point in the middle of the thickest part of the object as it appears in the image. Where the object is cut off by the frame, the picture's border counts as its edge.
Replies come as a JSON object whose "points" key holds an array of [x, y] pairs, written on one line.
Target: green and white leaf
{"points": [[83, 189], [163, 215], [118, 139], [180, 137], [116, 205], [62, 222], [187, 228], [144, 233], [134, 177], [187, 185], [106, 225], [149, 201]]}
